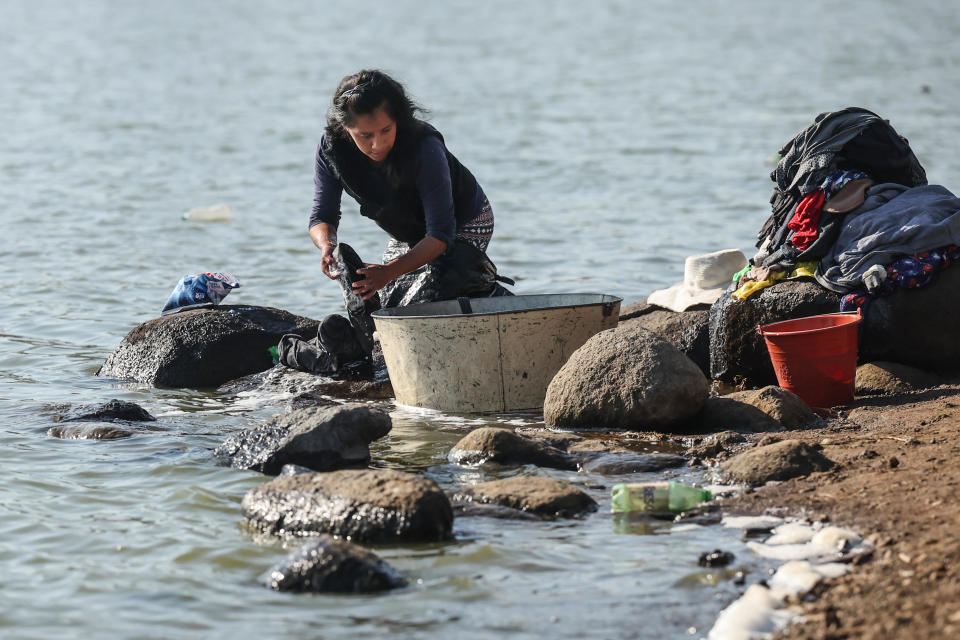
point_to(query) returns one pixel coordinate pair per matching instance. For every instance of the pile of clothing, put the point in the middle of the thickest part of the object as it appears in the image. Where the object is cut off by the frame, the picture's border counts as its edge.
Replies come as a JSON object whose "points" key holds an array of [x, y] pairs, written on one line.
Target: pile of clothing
{"points": [[852, 208]]}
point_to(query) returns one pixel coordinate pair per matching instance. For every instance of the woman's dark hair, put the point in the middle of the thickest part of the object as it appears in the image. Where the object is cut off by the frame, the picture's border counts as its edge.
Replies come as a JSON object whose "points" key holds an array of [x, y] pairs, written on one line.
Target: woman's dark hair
{"points": [[362, 93]]}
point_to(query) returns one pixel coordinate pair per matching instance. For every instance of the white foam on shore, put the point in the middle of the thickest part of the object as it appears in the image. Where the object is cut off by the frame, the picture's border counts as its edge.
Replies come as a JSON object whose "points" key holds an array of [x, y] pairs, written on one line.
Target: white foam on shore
{"points": [[799, 576], [804, 547], [755, 614], [826, 544]]}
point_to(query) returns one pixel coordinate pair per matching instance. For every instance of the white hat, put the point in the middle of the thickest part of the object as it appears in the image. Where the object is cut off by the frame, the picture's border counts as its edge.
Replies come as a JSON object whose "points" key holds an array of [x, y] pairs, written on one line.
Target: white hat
{"points": [[704, 279]]}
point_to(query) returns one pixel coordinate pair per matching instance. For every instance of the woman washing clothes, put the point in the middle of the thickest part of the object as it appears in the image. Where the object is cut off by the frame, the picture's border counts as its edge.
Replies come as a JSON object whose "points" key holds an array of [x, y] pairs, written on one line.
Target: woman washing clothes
{"points": [[398, 168]]}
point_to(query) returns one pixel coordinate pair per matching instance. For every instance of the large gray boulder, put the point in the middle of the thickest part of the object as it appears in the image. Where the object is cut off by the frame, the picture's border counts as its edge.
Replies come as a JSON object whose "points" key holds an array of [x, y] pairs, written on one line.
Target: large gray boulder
{"points": [[319, 438], [688, 331], [625, 378], [364, 505], [543, 497], [203, 347], [329, 565], [737, 350]]}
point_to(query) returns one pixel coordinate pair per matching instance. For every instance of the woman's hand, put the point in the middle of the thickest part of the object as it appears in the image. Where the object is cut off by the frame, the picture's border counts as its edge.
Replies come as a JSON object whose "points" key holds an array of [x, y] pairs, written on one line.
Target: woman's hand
{"points": [[324, 235], [376, 277], [328, 264]]}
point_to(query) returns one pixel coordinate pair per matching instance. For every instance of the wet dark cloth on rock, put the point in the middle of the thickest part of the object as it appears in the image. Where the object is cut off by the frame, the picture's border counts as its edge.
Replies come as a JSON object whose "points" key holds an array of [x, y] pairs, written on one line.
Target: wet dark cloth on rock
{"points": [[893, 221]]}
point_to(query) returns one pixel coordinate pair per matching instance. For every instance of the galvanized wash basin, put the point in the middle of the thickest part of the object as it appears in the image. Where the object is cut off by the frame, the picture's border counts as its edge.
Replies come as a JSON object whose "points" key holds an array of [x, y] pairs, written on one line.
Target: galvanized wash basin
{"points": [[488, 355]]}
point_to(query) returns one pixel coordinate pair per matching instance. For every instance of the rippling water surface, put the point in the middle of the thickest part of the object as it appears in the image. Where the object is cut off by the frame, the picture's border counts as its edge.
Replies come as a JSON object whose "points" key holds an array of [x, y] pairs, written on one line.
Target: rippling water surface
{"points": [[613, 138]]}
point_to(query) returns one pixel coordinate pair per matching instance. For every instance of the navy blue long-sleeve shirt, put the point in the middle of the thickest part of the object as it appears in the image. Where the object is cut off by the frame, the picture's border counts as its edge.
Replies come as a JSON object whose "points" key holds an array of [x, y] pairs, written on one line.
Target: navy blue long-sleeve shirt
{"points": [[433, 185]]}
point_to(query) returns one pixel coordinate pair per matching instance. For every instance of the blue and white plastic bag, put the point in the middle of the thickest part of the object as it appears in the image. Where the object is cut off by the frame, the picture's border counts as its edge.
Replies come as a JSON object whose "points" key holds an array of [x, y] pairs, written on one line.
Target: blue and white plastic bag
{"points": [[198, 290]]}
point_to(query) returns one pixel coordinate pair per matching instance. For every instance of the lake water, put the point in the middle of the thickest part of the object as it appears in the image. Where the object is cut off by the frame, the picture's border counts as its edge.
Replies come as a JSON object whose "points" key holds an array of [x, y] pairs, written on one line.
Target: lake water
{"points": [[613, 138]]}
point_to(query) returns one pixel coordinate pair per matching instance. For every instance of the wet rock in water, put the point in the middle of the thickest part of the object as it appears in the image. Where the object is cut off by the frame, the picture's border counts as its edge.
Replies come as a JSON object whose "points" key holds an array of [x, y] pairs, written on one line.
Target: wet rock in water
{"points": [[717, 443], [544, 497], [89, 432], [715, 558], [627, 377], [203, 347], [883, 378], [736, 349], [688, 331], [364, 505], [782, 406], [328, 565], [503, 446], [779, 461], [724, 412], [307, 388], [319, 438], [620, 463], [104, 412], [916, 327]]}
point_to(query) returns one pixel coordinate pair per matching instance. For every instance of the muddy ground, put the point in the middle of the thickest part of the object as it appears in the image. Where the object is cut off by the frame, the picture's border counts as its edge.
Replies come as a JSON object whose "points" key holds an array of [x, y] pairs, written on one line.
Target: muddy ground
{"points": [[897, 482]]}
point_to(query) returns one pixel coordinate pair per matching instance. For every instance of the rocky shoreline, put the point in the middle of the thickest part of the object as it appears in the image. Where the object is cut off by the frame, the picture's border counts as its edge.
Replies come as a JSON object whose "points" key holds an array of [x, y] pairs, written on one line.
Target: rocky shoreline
{"points": [[637, 398]]}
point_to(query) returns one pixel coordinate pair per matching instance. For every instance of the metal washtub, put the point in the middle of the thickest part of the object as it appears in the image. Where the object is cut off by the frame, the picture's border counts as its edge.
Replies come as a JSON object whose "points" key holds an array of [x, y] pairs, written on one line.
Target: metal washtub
{"points": [[487, 355]]}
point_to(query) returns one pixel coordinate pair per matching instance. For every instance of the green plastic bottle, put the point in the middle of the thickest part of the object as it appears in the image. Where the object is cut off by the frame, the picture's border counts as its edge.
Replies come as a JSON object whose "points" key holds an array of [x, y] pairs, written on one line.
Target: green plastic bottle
{"points": [[656, 497]]}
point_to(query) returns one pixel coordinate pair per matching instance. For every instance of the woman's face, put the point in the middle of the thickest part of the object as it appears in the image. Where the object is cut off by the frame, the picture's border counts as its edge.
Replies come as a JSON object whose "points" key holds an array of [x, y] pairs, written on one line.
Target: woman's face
{"points": [[374, 134]]}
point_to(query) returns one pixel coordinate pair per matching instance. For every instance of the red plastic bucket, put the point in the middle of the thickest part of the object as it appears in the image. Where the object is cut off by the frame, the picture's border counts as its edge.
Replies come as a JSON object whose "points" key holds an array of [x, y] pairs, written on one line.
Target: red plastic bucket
{"points": [[815, 357]]}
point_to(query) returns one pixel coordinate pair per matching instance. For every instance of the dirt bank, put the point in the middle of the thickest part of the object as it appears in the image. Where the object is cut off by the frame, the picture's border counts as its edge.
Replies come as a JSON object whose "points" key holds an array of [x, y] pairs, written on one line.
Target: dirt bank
{"points": [[897, 482]]}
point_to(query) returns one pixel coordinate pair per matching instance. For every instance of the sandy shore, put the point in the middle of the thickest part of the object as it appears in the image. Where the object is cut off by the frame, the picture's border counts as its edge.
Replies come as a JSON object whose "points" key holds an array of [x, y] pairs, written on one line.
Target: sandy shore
{"points": [[897, 482]]}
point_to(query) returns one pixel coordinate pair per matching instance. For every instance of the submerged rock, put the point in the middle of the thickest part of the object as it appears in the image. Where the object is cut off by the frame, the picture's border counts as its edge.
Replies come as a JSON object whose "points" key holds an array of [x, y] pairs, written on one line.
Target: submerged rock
{"points": [[688, 331], [716, 444], [104, 412], [620, 463], [882, 378], [203, 347], [368, 505], [307, 388], [544, 497], [627, 377], [89, 432], [503, 446], [328, 565], [737, 350], [319, 438], [779, 461], [715, 558]]}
